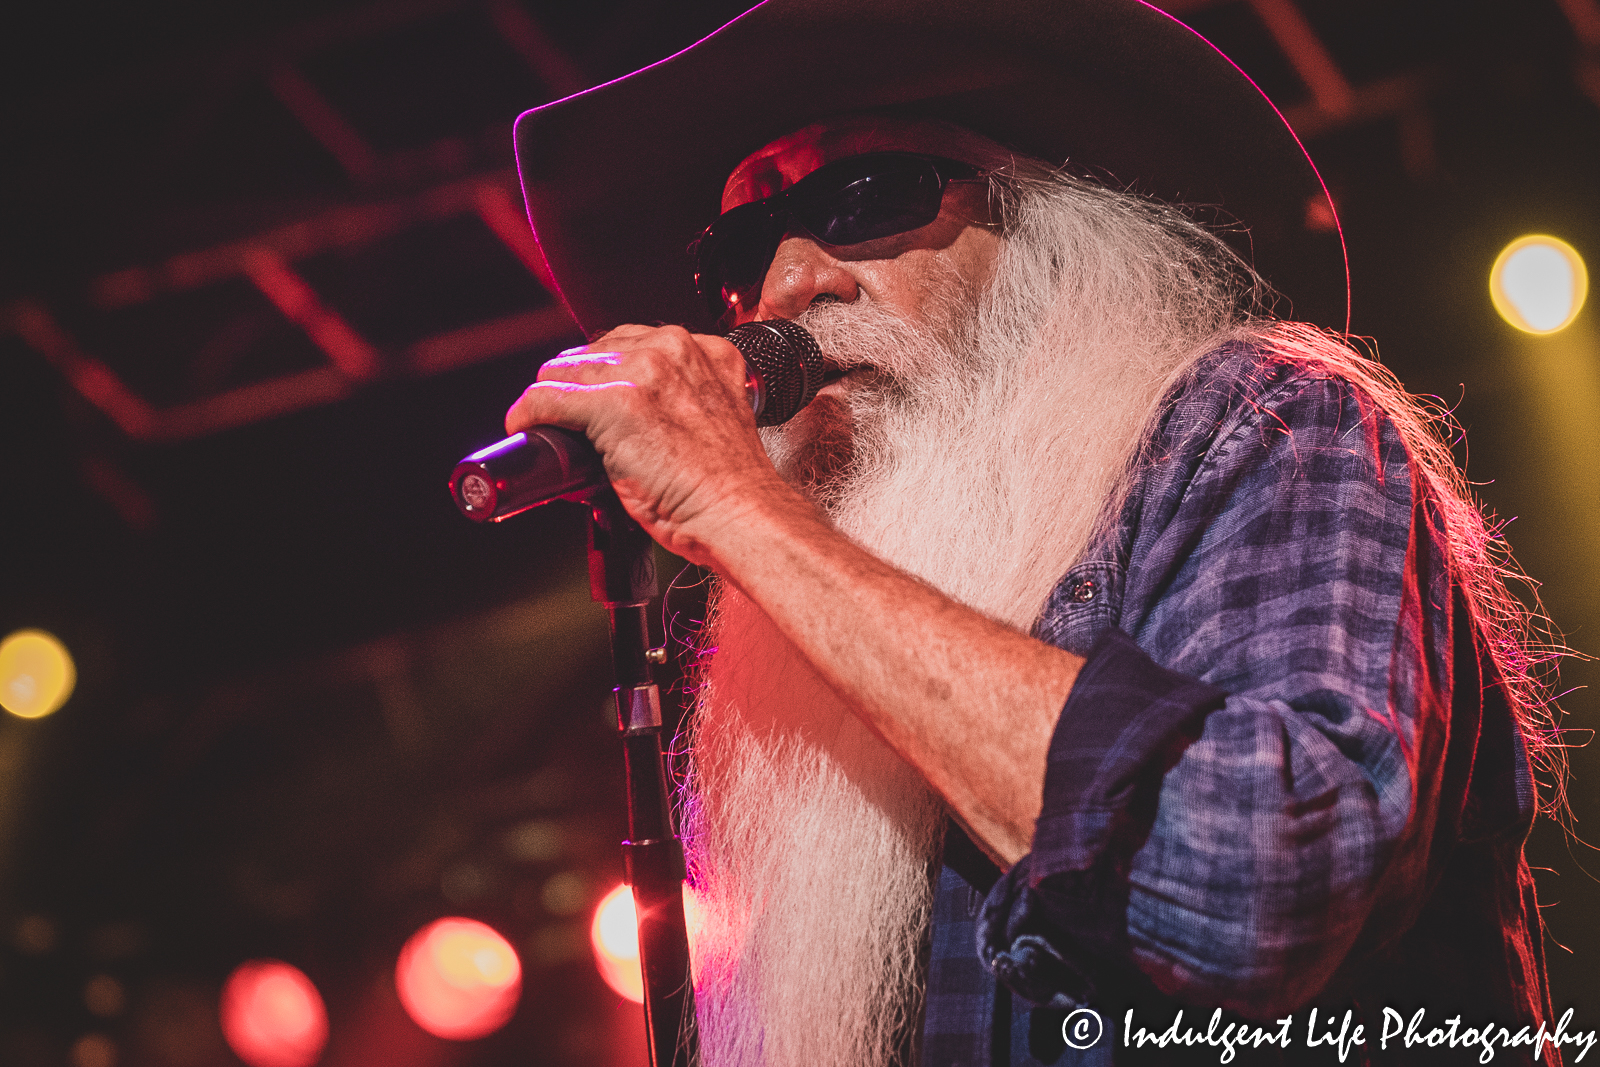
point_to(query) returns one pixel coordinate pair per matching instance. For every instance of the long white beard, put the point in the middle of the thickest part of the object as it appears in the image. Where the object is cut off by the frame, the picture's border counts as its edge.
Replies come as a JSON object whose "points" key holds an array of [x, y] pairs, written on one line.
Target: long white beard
{"points": [[981, 455], [810, 846]]}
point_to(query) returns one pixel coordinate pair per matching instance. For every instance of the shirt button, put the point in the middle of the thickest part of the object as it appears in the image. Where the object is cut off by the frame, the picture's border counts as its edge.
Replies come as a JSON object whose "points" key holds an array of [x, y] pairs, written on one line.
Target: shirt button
{"points": [[1084, 590]]}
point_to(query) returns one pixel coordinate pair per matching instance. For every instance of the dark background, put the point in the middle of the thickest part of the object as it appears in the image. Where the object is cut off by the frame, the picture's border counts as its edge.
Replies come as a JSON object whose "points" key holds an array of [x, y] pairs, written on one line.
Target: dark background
{"points": [[316, 708]]}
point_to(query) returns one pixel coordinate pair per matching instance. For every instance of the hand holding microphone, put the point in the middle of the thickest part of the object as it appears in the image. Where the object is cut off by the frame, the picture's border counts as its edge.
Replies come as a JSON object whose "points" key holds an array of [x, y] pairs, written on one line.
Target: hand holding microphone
{"points": [[783, 370]]}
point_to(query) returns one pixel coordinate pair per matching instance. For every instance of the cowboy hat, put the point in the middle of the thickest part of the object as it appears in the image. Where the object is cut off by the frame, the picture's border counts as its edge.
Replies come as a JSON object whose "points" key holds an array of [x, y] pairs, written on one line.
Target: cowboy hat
{"points": [[619, 179]]}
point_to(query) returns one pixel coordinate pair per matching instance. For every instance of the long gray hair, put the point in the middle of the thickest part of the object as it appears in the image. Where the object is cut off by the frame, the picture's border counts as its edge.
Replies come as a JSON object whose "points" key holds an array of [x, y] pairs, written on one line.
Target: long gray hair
{"points": [[1203, 293]]}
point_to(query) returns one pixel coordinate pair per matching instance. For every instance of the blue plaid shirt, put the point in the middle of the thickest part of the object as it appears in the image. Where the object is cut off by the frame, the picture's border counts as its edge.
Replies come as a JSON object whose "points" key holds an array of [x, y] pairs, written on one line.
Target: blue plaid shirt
{"points": [[1285, 776]]}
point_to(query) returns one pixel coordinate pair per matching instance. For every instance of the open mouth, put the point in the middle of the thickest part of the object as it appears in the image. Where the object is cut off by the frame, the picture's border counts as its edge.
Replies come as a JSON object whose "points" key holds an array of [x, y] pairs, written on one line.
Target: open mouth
{"points": [[833, 372]]}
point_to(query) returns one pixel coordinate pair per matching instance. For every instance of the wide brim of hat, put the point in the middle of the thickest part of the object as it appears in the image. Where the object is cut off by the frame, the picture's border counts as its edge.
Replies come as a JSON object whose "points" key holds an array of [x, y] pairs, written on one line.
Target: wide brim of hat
{"points": [[619, 179]]}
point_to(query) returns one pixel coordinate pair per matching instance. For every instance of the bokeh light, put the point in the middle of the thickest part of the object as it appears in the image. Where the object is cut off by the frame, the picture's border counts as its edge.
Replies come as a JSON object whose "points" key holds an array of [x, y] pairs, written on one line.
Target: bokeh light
{"points": [[272, 1016], [1539, 283], [36, 674], [614, 935], [93, 1050], [458, 979], [104, 996]]}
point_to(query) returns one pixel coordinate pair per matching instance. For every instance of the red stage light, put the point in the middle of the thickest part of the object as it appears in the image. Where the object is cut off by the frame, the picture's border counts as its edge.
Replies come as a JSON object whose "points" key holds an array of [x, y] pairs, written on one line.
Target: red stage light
{"points": [[458, 979], [272, 1016], [614, 935]]}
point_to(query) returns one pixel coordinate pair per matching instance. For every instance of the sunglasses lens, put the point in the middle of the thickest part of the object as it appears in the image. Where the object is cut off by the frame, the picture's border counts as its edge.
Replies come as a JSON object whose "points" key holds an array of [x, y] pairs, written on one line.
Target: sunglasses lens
{"points": [[894, 201], [731, 258], [847, 202]]}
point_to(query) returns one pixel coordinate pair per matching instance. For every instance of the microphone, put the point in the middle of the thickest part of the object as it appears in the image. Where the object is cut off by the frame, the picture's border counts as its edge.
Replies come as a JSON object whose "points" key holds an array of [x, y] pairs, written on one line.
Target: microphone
{"points": [[783, 367]]}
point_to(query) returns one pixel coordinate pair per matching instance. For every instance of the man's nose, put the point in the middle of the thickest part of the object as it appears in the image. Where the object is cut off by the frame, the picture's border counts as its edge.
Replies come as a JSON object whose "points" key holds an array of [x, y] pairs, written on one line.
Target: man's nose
{"points": [[800, 272]]}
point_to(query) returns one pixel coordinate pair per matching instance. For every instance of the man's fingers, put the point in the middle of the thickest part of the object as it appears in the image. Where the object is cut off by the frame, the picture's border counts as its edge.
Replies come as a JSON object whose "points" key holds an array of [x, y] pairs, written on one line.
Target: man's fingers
{"points": [[621, 332], [560, 403], [647, 355], [724, 355], [662, 371], [576, 365]]}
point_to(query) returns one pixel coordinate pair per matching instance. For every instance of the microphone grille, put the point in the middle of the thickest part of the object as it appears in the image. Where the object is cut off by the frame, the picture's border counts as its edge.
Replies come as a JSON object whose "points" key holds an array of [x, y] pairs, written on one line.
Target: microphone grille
{"points": [[787, 359]]}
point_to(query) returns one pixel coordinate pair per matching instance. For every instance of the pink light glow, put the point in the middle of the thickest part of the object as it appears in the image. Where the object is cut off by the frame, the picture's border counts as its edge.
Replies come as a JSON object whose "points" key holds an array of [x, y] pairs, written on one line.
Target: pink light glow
{"points": [[272, 1016], [458, 979]]}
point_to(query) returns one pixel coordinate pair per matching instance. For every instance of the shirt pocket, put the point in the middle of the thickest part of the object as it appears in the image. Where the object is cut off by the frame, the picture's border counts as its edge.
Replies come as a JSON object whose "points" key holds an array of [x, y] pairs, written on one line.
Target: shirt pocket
{"points": [[1084, 604]]}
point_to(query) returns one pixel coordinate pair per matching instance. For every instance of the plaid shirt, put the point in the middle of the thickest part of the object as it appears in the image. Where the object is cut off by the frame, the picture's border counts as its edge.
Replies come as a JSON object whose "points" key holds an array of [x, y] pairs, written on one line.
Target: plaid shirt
{"points": [[1284, 778]]}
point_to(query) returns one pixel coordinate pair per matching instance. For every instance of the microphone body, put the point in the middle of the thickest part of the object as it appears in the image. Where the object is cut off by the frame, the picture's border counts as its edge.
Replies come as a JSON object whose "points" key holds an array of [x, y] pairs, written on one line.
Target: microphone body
{"points": [[783, 365]]}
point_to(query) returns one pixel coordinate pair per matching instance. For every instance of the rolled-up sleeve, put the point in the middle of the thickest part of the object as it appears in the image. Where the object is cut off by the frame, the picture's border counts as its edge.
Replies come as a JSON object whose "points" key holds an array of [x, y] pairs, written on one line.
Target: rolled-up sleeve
{"points": [[1234, 780]]}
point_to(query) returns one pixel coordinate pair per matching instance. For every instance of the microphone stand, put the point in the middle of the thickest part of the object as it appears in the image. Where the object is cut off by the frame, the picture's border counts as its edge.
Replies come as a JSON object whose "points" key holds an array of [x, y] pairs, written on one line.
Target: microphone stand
{"points": [[784, 370], [622, 576]]}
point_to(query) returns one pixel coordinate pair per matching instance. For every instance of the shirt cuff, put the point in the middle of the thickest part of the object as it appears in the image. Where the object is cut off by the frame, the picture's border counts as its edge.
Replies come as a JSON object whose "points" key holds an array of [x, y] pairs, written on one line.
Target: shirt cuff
{"points": [[1125, 722]]}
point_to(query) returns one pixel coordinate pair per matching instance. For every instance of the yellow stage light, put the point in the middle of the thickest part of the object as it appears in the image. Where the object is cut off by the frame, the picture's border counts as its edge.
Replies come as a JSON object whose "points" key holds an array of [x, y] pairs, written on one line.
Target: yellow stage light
{"points": [[36, 674], [1538, 284]]}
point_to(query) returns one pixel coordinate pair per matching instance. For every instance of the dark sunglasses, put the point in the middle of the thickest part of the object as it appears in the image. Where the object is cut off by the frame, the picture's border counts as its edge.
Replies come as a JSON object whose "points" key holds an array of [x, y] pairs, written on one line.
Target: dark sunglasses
{"points": [[846, 202]]}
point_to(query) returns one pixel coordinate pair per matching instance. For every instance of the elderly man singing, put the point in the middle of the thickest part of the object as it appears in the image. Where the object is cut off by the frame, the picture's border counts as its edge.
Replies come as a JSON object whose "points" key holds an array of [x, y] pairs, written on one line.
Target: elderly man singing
{"points": [[1166, 625]]}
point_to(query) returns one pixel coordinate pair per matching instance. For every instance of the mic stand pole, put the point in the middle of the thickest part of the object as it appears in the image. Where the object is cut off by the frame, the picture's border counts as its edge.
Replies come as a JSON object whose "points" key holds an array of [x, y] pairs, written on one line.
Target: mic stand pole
{"points": [[622, 576]]}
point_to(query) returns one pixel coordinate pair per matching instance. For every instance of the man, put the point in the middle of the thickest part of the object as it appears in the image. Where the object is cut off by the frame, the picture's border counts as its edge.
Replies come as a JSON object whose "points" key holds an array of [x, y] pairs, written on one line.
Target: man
{"points": [[1177, 612]]}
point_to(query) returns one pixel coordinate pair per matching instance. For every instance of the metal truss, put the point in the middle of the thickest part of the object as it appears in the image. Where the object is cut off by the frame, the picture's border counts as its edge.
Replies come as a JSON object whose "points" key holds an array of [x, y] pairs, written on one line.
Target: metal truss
{"points": [[270, 260]]}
